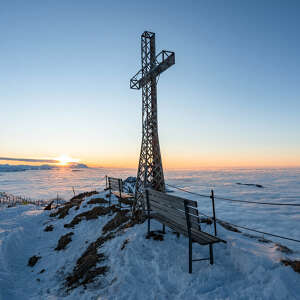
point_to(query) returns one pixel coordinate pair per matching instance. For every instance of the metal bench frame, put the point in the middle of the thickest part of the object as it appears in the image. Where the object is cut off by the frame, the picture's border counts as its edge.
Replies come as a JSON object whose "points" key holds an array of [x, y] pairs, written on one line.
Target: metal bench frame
{"points": [[191, 230]]}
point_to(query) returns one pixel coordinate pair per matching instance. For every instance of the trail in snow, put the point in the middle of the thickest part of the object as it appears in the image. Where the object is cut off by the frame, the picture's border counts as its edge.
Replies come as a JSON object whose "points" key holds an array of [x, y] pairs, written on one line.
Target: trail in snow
{"points": [[20, 234]]}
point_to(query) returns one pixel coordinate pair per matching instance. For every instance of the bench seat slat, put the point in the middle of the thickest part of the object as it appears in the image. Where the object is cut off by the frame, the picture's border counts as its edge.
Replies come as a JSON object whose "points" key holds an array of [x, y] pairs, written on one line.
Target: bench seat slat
{"points": [[172, 198], [178, 207], [160, 211], [175, 203], [175, 226], [166, 201], [178, 214], [198, 236]]}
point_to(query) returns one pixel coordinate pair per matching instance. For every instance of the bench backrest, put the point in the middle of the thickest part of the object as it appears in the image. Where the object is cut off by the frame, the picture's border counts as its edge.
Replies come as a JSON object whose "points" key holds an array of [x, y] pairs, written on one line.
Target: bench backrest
{"points": [[178, 210], [115, 184]]}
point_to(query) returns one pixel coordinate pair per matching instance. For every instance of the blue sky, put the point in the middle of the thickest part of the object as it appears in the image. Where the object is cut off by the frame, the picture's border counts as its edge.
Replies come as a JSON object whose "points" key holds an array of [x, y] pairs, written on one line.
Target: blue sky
{"points": [[232, 98]]}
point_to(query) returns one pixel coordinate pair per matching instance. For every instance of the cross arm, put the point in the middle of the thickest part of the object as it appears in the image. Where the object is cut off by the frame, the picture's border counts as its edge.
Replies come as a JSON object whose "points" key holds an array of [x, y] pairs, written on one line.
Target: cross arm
{"points": [[163, 61]]}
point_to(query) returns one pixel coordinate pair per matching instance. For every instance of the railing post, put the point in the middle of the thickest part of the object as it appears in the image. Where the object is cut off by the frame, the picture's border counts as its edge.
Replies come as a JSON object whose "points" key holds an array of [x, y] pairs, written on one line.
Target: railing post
{"points": [[148, 209], [188, 224], [105, 181], [212, 196], [109, 186]]}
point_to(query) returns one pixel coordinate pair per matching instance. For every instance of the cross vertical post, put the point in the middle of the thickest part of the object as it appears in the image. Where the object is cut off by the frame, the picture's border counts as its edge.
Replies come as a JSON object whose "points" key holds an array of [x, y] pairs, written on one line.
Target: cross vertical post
{"points": [[150, 170]]}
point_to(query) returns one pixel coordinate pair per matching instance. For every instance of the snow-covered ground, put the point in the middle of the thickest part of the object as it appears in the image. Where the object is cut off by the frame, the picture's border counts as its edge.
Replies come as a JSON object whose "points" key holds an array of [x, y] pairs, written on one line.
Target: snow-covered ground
{"points": [[145, 269]]}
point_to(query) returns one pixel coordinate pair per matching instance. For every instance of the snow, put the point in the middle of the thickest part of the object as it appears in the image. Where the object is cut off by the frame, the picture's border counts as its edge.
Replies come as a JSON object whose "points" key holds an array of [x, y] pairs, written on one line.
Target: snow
{"points": [[146, 269]]}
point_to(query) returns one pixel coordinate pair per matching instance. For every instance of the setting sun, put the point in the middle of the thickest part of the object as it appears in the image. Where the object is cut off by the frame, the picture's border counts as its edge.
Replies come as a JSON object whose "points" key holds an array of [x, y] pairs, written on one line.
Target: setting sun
{"points": [[65, 159]]}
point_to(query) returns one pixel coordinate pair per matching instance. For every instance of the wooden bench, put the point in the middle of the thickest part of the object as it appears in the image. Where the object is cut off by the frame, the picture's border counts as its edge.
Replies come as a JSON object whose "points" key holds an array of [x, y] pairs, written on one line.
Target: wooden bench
{"points": [[182, 216], [116, 187]]}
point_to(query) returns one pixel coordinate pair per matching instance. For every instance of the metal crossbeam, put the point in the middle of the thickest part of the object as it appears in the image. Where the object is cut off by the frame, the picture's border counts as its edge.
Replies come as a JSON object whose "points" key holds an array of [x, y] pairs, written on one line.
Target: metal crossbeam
{"points": [[164, 60]]}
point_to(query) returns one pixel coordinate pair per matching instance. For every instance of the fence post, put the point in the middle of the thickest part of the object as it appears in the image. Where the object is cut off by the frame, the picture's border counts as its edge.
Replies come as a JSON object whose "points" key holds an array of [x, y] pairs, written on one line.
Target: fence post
{"points": [[214, 212], [148, 209]]}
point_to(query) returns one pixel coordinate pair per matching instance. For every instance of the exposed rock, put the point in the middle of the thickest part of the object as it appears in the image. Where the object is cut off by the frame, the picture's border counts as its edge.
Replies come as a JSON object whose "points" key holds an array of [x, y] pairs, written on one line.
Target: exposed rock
{"points": [[89, 215], [229, 227], [97, 201], [155, 235], [120, 218], [64, 210], [283, 249], [64, 241], [85, 270], [83, 195], [33, 260], [124, 244], [48, 207], [49, 228], [294, 264], [264, 240], [75, 201]]}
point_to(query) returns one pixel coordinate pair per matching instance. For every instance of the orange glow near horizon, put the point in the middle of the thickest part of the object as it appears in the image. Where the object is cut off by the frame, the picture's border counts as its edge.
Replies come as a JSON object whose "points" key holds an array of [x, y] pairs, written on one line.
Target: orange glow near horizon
{"points": [[187, 160], [65, 160], [194, 163]]}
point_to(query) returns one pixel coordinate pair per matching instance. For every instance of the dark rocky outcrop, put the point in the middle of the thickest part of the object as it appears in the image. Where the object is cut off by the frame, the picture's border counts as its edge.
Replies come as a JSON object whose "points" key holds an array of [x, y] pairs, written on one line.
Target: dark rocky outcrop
{"points": [[97, 201], [294, 264], [33, 260], [64, 241], [49, 228]]}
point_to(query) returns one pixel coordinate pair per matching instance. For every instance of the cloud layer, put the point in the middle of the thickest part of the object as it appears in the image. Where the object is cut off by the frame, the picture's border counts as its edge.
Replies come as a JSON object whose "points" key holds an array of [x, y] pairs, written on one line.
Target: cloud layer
{"points": [[50, 161]]}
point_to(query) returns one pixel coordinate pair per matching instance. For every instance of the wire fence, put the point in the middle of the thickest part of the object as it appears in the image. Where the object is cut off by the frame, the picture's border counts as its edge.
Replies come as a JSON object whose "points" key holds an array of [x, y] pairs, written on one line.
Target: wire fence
{"points": [[235, 200], [220, 221], [12, 200]]}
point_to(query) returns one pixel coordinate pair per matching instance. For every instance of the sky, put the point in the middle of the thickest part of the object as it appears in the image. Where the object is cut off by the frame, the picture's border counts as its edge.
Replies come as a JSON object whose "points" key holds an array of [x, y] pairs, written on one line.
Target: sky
{"points": [[231, 99]]}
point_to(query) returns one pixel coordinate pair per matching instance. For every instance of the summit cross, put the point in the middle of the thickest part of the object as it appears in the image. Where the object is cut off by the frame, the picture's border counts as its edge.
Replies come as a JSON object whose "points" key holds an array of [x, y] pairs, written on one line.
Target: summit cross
{"points": [[150, 171]]}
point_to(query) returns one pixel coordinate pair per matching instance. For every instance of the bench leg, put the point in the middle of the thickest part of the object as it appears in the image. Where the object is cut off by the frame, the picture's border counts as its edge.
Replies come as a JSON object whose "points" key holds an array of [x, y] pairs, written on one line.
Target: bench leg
{"points": [[211, 254], [190, 255], [164, 228]]}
